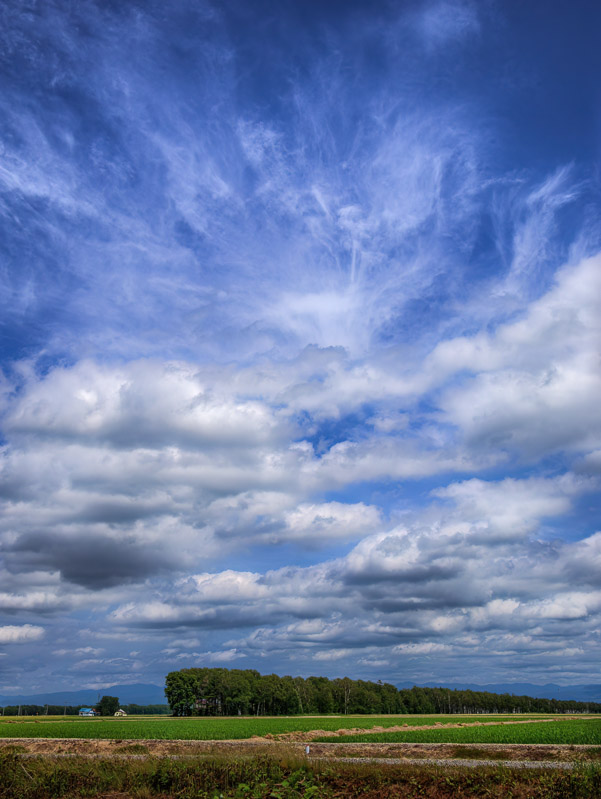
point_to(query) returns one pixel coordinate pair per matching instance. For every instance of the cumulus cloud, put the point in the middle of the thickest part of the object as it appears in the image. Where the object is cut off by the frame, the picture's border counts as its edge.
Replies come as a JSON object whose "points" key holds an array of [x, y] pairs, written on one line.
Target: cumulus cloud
{"points": [[509, 508], [466, 579], [532, 386], [19, 634], [120, 475], [147, 404], [405, 586]]}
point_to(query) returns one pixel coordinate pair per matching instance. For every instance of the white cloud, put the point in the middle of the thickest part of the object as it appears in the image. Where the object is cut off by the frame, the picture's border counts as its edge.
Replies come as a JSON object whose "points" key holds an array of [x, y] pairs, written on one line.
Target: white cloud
{"points": [[465, 578], [80, 650], [223, 656], [428, 648], [145, 404], [20, 634], [331, 521], [332, 654], [535, 382], [151, 472], [510, 508]]}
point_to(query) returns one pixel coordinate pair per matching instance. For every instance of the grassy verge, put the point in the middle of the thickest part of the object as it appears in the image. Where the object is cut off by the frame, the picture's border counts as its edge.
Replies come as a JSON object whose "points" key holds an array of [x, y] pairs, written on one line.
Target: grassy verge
{"points": [[278, 778]]}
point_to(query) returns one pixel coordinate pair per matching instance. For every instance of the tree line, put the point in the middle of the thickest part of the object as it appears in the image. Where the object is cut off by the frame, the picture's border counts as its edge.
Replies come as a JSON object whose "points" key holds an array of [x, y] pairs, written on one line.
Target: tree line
{"points": [[73, 710], [230, 692]]}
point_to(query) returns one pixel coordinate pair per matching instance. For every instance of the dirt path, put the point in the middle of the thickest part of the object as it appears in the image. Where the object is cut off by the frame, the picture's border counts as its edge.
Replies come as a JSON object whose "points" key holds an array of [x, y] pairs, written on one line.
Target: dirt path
{"points": [[392, 761], [455, 762]]}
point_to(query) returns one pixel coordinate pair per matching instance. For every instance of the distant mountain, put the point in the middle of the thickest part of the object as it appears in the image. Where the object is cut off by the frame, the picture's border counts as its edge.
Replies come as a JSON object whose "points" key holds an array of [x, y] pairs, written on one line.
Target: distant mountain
{"points": [[136, 693], [148, 694], [579, 693]]}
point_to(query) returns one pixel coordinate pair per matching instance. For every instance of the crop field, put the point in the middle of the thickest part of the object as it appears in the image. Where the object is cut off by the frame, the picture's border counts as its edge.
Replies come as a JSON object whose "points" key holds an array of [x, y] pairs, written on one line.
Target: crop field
{"points": [[216, 729], [566, 731], [208, 728]]}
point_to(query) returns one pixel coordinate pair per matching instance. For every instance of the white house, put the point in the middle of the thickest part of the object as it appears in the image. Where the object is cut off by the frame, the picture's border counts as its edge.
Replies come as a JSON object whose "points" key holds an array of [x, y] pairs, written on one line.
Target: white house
{"points": [[120, 712], [86, 711]]}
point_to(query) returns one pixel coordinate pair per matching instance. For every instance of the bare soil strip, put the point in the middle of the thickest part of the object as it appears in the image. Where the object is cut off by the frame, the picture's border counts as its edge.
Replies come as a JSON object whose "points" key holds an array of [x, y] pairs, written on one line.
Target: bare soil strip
{"points": [[449, 753]]}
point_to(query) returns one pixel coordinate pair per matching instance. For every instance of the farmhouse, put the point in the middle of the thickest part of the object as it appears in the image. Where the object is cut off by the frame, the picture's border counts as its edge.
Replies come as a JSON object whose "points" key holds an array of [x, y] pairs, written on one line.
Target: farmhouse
{"points": [[86, 711], [120, 712]]}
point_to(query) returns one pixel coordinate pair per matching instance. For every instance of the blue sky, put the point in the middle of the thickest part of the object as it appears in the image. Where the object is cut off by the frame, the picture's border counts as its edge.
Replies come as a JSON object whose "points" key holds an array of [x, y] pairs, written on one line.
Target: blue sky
{"points": [[300, 340]]}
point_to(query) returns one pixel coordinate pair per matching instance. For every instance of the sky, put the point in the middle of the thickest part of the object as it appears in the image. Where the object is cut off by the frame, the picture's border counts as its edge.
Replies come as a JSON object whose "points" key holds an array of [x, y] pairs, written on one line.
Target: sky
{"points": [[300, 340]]}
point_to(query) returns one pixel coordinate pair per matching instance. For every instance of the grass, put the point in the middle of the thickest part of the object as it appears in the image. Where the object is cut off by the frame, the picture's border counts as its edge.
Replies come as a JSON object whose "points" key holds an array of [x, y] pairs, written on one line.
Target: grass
{"points": [[208, 728], [280, 778], [568, 731]]}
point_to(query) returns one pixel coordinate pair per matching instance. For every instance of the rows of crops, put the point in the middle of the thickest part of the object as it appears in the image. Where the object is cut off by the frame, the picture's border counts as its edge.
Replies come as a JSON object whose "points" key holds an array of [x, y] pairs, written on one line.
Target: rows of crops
{"points": [[580, 731], [222, 728]]}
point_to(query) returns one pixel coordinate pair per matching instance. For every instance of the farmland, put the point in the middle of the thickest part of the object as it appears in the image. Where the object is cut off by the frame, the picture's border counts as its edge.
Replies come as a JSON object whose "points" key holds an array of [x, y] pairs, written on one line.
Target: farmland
{"points": [[216, 728], [567, 731], [42, 757]]}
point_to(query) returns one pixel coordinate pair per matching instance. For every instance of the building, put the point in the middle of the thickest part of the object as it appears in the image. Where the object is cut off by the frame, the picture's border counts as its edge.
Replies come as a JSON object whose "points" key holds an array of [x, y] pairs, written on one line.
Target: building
{"points": [[120, 712], [87, 711]]}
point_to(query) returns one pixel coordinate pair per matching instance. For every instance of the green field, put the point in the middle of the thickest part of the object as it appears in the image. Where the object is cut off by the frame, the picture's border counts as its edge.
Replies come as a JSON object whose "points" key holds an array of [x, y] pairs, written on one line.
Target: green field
{"points": [[568, 731], [206, 729]]}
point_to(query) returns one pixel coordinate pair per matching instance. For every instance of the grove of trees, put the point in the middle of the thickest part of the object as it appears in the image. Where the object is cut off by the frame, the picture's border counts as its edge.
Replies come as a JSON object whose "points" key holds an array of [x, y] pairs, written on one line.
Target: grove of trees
{"points": [[108, 705], [230, 692]]}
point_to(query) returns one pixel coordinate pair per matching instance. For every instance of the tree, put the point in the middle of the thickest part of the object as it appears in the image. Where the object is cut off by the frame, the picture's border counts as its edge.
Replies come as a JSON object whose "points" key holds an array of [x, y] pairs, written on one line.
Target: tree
{"points": [[108, 705], [179, 690]]}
